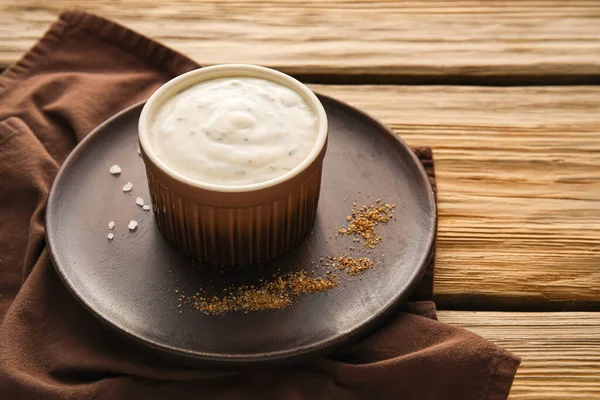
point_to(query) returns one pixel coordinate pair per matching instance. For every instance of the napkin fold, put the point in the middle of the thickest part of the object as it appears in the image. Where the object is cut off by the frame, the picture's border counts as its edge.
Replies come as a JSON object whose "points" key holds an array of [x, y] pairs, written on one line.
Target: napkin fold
{"points": [[84, 70]]}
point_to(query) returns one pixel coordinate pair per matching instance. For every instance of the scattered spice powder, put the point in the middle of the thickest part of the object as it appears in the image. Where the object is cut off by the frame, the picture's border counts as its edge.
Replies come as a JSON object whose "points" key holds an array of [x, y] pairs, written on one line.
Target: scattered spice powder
{"points": [[363, 220], [275, 294], [281, 290], [354, 266]]}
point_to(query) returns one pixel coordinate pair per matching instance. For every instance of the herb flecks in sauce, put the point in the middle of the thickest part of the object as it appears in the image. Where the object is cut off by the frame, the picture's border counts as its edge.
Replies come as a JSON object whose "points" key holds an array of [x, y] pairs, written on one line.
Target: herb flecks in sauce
{"points": [[241, 118]]}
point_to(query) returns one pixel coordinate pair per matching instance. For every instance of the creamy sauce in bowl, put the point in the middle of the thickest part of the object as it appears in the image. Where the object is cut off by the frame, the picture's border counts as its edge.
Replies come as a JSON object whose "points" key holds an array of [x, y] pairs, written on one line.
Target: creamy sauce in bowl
{"points": [[234, 131]]}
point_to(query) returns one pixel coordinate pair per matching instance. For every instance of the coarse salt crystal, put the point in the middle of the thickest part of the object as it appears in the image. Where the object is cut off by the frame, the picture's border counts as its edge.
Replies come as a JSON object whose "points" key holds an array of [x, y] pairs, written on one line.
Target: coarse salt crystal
{"points": [[111, 225], [110, 236], [139, 201], [115, 170], [139, 151], [132, 225], [146, 207], [128, 186]]}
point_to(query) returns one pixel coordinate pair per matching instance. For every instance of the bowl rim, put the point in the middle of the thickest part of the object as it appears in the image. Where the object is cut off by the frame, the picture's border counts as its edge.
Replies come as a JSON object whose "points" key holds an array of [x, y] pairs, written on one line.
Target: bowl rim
{"points": [[204, 74]]}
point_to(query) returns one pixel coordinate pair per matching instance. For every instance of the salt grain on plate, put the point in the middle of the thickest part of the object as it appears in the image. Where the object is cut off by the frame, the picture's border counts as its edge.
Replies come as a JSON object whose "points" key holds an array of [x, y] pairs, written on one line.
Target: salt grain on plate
{"points": [[146, 207], [138, 149], [110, 236], [111, 225], [128, 186], [139, 201], [115, 170], [132, 225]]}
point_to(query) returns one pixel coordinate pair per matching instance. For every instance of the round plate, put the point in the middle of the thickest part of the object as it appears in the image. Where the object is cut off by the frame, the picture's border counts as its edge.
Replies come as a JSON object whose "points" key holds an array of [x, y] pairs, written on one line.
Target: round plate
{"points": [[130, 282]]}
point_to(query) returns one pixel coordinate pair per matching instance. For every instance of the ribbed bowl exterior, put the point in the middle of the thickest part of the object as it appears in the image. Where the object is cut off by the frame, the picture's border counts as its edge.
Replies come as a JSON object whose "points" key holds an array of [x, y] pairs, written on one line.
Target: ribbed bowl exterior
{"points": [[237, 234]]}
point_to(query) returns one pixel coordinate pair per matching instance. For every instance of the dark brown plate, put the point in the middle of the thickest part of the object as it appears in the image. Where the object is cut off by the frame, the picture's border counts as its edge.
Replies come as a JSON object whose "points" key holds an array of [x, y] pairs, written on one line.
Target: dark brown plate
{"points": [[130, 282]]}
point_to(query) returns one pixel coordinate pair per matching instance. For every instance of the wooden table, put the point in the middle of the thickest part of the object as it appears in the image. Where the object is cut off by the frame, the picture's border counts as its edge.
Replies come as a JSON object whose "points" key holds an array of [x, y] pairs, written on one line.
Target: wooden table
{"points": [[507, 95]]}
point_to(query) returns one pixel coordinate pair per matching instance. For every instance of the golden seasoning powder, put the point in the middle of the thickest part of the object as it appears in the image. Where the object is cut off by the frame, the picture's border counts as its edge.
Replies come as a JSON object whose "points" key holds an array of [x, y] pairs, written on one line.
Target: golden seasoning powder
{"points": [[274, 294], [281, 290], [354, 266], [363, 220]]}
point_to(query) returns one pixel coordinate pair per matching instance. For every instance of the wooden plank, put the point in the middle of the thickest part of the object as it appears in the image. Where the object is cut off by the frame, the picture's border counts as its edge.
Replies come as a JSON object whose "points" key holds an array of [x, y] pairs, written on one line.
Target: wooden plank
{"points": [[560, 351], [383, 40], [518, 172]]}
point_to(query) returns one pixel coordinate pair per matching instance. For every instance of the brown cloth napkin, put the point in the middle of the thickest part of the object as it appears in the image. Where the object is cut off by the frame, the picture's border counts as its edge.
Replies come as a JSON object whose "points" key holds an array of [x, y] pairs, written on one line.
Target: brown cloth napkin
{"points": [[81, 72]]}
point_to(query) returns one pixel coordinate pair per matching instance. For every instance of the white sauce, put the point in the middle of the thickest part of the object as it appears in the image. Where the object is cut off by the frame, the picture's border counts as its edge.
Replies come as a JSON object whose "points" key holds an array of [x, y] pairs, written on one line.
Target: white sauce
{"points": [[234, 131]]}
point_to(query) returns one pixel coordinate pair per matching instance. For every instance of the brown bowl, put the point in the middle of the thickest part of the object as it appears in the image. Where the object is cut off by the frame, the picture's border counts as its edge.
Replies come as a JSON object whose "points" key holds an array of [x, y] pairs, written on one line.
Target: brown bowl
{"points": [[233, 225]]}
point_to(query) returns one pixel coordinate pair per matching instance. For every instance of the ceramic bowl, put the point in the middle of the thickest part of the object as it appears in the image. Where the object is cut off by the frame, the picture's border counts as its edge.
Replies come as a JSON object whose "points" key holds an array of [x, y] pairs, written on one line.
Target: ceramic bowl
{"points": [[233, 225]]}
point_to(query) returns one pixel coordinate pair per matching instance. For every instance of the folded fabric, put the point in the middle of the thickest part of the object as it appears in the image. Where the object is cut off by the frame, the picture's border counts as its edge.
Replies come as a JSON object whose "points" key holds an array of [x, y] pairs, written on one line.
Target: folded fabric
{"points": [[82, 71]]}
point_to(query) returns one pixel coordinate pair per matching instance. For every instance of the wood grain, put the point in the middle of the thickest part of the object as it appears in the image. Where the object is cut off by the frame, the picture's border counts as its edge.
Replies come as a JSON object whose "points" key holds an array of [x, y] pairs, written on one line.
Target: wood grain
{"points": [[560, 351], [518, 172], [385, 40]]}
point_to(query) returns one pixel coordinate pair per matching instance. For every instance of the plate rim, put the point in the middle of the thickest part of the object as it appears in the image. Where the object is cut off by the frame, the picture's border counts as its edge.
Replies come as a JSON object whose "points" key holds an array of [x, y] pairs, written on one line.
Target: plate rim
{"points": [[192, 356]]}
